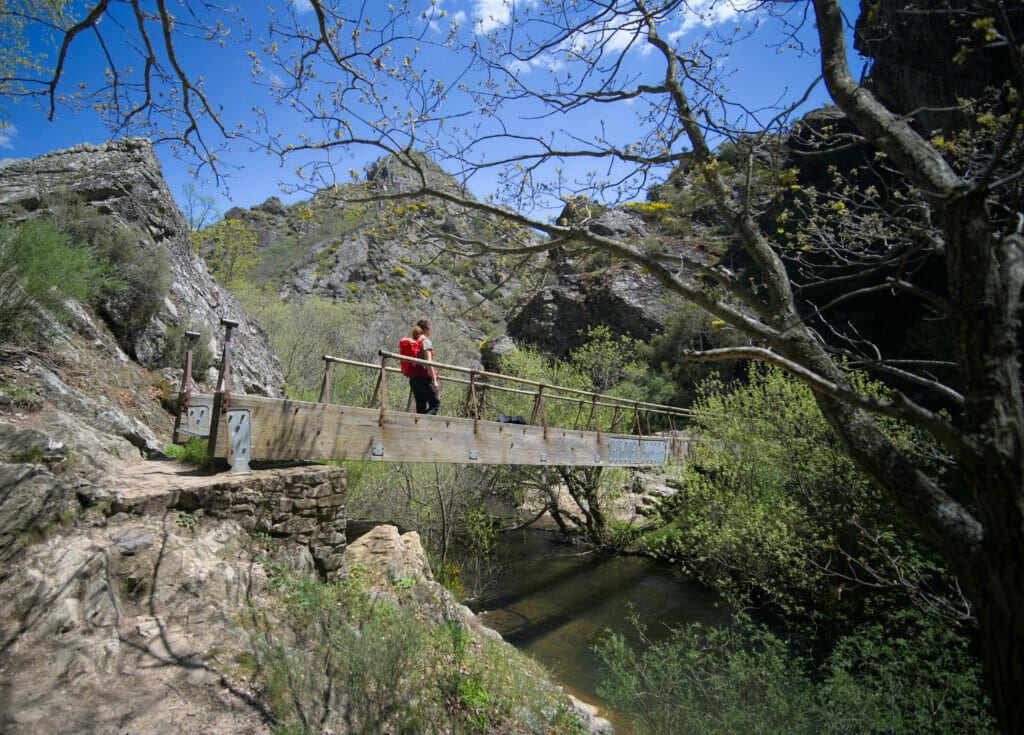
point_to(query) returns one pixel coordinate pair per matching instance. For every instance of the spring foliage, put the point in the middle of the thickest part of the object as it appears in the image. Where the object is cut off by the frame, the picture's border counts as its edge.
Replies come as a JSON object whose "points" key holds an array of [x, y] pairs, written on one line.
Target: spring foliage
{"points": [[40, 270]]}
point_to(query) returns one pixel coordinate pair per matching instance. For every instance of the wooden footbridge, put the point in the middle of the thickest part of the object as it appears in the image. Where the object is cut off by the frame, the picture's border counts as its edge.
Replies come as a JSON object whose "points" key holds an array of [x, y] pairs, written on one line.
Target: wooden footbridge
{"points": [[243, 428]]}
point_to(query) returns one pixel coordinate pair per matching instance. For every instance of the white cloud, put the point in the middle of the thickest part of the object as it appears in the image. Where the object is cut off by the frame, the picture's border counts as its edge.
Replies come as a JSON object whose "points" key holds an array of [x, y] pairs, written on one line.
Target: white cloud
{"points": [[302, 6], [7, 133], [614, 36], [435, 11], [708, 13], [491, 14]]}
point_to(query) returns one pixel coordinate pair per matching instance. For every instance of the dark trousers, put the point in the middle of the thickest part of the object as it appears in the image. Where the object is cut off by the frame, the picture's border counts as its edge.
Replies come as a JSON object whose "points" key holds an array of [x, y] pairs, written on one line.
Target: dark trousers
{"points": [[423, 391]]}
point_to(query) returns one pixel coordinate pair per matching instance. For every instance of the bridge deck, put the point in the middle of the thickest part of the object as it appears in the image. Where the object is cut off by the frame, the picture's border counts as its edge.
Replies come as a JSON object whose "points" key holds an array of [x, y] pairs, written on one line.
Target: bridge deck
{"points": [[282, 429]]}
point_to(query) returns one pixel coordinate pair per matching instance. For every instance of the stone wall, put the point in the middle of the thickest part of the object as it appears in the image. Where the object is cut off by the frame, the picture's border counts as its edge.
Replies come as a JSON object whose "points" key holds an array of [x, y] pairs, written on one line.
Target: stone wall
{"points": [[304, 505]]}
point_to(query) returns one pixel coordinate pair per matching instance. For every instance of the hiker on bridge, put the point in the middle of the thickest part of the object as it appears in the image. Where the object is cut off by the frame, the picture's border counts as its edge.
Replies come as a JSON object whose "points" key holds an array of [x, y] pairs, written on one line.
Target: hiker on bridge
{"points": [[423, 381]]}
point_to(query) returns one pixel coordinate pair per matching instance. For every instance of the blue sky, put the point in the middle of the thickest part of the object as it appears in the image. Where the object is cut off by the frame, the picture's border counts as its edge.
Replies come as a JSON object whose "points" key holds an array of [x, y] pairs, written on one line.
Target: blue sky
{"points": [[761, 72]]}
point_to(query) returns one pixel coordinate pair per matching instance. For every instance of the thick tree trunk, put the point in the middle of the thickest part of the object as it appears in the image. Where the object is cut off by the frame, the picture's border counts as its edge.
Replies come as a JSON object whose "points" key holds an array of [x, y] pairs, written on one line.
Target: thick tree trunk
{"points": [[1000, 610]]}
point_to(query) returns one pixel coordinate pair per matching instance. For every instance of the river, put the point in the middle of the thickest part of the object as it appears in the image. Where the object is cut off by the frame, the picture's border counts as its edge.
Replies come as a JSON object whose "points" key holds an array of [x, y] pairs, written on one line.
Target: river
{"points": [[554, 603]]}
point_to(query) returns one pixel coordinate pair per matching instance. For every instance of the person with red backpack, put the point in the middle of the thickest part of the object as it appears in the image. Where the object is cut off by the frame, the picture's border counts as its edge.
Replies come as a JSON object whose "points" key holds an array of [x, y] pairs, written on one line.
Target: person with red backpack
{"points": [[423, 380]]}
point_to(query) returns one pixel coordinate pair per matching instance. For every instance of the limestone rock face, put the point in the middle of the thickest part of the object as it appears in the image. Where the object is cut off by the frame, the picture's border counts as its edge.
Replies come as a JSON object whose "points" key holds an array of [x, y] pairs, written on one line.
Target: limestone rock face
{"points": [[122, 180]]}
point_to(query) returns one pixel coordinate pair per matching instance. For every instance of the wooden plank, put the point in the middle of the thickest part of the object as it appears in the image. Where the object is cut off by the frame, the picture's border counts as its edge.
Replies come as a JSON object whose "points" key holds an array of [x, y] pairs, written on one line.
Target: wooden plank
{"points": [[298, 430]]}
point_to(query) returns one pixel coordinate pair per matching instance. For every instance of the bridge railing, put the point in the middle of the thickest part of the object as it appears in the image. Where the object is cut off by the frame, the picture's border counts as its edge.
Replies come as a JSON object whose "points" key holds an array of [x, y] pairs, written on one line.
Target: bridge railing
{"points": [[592, 410]]}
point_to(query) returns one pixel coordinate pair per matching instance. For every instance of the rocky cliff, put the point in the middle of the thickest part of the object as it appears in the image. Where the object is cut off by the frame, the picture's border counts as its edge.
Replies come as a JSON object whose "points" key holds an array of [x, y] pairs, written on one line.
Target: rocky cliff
{"points": [[122, 182], [927, 56], [623, 298], [391, 260]]}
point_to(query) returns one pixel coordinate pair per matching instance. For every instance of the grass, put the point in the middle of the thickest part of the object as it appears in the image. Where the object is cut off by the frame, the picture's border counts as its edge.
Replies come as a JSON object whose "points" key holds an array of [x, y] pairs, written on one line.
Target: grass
{"points": [[26, 398], [194, 453]]}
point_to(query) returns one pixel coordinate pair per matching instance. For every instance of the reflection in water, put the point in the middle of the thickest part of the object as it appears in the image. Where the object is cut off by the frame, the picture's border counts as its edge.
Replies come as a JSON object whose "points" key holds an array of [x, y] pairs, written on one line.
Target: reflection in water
{"points": [[555, 604]]}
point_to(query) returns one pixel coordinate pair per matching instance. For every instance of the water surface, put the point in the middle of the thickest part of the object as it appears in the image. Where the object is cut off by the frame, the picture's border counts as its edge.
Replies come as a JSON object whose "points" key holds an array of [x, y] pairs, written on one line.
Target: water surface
{"points": [[555, 603]]}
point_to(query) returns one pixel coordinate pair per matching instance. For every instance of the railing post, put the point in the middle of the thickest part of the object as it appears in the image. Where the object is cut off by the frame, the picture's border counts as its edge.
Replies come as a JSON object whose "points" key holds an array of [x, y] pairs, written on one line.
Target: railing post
{"points": [[222, 396], [579, 415], [593, 416], [543, 410], [325, 389], [376, 390], [185, 394], [639, 435], [472, 393], [383, 389]]}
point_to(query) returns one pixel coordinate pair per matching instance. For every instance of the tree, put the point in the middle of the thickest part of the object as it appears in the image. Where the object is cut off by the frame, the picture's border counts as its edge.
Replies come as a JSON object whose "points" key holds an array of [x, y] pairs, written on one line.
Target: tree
{"points": [[229, 248], [982, 538], [344, 74], [18, 57], [200, 210]]}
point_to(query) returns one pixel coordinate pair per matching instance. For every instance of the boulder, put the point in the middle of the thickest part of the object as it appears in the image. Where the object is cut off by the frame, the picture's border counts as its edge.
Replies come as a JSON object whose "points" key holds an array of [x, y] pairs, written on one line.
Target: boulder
{"points": [[386, 554], [624, 300]]}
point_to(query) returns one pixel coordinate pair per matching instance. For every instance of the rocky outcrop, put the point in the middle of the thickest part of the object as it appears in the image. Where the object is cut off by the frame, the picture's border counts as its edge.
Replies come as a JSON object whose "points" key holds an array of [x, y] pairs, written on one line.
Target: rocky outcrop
{"points": [[390, 558], [555, 320], [918, 67], [391, 174], [630, 303], [389, 256], [122, 180], [385, 553], [32, 499], [119, 627]]}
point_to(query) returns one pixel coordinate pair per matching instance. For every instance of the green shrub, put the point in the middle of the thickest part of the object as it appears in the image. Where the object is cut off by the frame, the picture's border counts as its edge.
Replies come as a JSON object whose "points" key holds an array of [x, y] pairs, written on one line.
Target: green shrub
{"points": [[40, 269], [344, 657], [905, 675], [143, 271], [772, 506], [175, 347], [707, 680]]}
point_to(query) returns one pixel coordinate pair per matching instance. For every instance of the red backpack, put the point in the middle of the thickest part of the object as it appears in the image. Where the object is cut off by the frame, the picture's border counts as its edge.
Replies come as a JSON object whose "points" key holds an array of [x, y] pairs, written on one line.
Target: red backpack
{"points": [[409, 347]]}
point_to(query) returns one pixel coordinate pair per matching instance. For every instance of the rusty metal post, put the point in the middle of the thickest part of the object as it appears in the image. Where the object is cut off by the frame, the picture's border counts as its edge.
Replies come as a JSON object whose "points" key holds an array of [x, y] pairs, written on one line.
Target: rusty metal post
{"points": [[483, 400], [325, 389], [376, 391], [579, 415], [222, 396], [472, 392], [383, 389], [224, 378], [543, 410], [593, 417], [639, 435], [185, 394]]}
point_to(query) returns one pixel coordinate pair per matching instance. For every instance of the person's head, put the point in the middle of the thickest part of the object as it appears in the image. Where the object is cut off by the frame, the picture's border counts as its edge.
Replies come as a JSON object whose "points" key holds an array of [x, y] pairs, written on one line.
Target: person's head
{"points": [[416, 332], [424, 325]]}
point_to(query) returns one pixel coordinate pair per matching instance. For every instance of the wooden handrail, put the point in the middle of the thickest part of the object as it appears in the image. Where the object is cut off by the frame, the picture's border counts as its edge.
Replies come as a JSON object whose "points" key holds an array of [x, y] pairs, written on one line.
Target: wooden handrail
{"points": [[619, 402], [657, 407]]}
